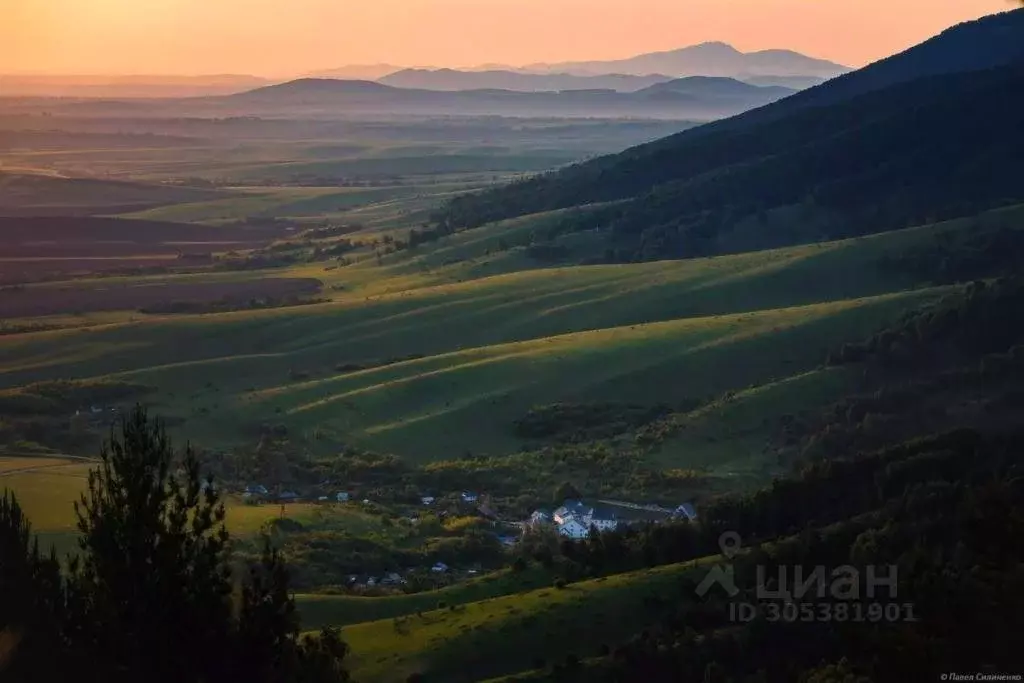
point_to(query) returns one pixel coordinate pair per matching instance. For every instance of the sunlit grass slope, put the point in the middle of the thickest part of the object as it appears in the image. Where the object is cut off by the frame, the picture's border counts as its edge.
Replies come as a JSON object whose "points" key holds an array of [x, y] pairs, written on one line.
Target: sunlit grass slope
{"points": [[485, 639], [445, 404], [47, 490], [490, 347], [343, 610]]}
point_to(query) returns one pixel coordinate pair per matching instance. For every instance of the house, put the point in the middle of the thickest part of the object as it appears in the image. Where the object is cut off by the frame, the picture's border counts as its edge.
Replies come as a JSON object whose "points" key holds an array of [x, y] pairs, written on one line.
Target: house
{"points": [[576, 511], [427, 500], [602, 519], [341, 497], [257, 490], [439, 568], [469, 497], [539, 518], [603, 523], [322, 499], [570, 508], [392, 579], [288, 496], [573, 528], [686, 510]]}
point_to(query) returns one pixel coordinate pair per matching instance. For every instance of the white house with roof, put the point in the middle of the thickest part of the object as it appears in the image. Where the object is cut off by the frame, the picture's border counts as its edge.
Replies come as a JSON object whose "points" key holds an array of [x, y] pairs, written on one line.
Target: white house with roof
{"points": [[574, 514], [573, 528], [571, 508]]}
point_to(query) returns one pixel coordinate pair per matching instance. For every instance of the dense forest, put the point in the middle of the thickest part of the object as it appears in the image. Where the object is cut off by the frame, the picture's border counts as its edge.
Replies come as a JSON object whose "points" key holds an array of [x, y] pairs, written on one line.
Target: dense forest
{"points": [[936, 148], [947, 512]]}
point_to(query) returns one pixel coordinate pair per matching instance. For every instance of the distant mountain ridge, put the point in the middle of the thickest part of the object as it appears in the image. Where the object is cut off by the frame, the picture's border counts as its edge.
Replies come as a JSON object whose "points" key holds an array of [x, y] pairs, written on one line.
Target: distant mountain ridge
{"points": [[706, 59], [138, 86], [452, 80], [691, 98], [784, 68], [356, 72]]}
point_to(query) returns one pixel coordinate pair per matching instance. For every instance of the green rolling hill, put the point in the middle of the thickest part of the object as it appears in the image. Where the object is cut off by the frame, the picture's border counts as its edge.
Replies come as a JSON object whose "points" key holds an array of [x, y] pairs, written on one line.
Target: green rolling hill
{"points": [[483, 351]]}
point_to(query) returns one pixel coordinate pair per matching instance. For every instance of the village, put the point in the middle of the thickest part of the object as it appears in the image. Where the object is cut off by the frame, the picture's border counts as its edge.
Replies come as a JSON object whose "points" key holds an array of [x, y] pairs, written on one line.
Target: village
{"points": [[574, 520]]}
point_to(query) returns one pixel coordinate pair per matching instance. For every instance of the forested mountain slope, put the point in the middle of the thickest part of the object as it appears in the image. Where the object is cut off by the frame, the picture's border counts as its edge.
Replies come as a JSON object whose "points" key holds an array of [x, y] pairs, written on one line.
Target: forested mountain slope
{"points": [[866, 160]]}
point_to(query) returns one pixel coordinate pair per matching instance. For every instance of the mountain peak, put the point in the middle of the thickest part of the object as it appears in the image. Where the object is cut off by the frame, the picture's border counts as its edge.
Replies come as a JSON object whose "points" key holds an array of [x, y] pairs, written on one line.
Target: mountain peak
{"points": [[712, 45]]}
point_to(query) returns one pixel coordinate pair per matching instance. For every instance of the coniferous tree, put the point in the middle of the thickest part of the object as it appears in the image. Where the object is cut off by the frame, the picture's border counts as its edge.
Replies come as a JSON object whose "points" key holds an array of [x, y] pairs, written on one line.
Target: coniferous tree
{"points": [[153, 588], [153, 573], [32, 601]]}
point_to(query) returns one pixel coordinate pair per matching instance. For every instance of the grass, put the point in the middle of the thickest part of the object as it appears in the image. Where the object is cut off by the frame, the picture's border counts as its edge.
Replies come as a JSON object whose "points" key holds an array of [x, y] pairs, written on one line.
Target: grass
{"points": [[493, 346], [488, 638], [343, 610], [733, 435], [408, 163], [490, 347], [48, 488], [50, 194], [442, 405], [276, 203], [47, 494], [12, 465]]}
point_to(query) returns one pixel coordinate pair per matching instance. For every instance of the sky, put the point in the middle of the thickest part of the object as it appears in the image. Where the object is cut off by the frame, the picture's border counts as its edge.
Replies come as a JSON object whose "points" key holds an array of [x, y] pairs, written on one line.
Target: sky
{"points": [[290, 37]]}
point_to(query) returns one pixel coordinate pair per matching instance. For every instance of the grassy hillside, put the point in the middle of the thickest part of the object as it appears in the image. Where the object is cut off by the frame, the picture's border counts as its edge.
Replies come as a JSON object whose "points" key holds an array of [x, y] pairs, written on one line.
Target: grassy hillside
{"points": [[481, 350], [344, 610], [477, 338], [47, 489], [290, 202], [504, 635], [452, 402]]}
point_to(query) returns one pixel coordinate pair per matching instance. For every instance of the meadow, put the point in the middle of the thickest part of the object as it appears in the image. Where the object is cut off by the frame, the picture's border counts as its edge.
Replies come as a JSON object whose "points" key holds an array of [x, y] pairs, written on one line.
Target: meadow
{"points": [[486, 348], [47, 489], [481, 640]]}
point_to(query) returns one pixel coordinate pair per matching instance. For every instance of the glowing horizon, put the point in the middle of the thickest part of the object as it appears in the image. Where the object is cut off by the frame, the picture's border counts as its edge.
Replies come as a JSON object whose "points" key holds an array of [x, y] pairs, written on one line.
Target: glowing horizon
{"points": [[279, 39]]}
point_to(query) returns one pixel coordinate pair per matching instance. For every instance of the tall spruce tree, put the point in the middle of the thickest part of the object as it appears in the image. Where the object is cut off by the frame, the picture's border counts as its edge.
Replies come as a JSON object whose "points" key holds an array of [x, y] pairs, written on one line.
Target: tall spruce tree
{"points": [[32, 601], [150, 596], [153, 572]]}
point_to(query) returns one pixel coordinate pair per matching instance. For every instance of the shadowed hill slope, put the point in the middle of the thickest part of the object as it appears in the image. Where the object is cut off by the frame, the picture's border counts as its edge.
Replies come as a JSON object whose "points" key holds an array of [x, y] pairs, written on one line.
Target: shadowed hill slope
{"points": [[934, 148], [933, 132]]}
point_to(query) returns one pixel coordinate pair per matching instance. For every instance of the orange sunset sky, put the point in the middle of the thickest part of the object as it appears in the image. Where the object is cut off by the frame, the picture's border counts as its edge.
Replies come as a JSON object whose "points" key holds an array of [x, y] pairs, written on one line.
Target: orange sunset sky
{"points": [[287, 37]]}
